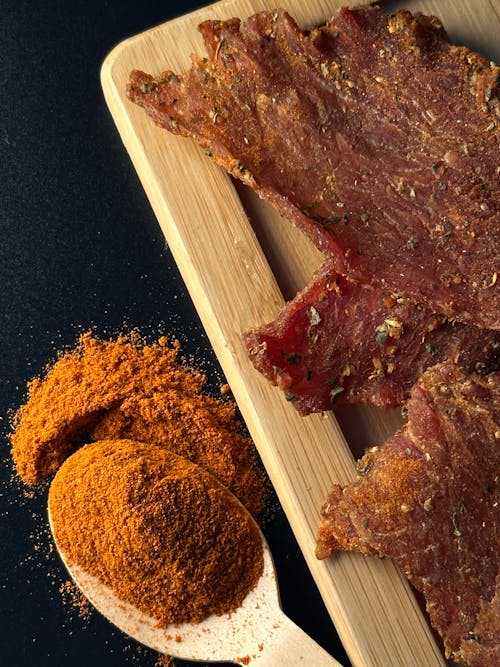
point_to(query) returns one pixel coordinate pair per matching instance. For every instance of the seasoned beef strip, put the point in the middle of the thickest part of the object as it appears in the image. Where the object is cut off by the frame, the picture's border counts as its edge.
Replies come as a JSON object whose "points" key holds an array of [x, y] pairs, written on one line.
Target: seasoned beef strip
{"points": [[374, 134], [429, 498], [338, 342]]}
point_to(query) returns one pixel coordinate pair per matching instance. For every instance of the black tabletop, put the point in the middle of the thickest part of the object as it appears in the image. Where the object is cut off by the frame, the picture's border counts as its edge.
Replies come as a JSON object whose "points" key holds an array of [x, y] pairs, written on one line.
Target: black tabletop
{"points": [[80, 248]]}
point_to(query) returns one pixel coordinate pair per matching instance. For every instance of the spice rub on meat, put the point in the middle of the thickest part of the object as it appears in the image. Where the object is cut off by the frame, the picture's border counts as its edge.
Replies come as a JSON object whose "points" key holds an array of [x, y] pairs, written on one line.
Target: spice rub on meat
{"points": [[374, 134], [429, 499], [339, 342]]}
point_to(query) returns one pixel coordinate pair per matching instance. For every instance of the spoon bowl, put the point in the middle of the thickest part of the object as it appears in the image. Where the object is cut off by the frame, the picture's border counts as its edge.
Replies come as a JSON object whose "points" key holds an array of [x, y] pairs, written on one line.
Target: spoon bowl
{"points": [[257, 632]]}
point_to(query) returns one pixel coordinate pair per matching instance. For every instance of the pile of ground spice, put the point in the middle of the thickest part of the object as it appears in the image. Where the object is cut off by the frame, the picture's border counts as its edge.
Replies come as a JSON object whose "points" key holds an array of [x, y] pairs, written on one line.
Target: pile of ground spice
{"points": [[126, 389], [164, 534]]}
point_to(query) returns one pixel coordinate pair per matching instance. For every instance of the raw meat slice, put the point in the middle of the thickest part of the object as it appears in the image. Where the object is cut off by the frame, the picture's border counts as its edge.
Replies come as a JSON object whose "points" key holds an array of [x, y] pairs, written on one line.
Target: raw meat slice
{"points": [[374, 134], [429, 499], [338, 342]]}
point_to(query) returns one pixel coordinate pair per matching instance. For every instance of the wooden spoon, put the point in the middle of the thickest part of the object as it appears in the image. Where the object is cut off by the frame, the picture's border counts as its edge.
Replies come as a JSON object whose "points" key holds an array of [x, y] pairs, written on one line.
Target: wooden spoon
{"points": [[258, 632]]}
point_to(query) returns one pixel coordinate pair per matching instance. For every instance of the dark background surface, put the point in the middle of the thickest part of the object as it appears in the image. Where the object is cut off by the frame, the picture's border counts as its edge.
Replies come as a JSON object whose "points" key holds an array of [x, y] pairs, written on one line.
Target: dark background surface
{"points": [[80, 248]]}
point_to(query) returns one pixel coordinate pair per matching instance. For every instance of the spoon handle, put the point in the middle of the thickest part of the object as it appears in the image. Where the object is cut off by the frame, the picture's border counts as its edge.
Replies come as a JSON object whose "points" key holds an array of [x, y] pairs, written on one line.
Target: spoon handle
{"points": [[289, 645]]}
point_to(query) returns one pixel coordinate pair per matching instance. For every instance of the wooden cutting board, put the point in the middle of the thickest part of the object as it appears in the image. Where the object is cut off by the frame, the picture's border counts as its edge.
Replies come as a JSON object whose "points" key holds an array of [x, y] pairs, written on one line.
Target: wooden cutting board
{"points": [[239, 261]]}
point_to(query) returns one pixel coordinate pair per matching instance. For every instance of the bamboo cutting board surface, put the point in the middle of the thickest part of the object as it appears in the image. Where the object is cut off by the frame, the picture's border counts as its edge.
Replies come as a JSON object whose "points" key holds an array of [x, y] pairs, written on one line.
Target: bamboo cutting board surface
{"points": [[239, 261]]}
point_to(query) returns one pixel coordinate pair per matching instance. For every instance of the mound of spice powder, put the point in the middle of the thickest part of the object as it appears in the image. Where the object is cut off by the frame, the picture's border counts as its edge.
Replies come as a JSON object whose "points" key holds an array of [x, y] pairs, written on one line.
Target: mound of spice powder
{"points": [[164, 534], [126, 389]]}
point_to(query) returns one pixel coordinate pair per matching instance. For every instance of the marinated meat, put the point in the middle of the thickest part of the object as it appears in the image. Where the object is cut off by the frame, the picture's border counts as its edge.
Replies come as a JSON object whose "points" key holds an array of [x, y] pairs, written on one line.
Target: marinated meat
{"points": [[338, 342], [374, 134], [429, 499]]}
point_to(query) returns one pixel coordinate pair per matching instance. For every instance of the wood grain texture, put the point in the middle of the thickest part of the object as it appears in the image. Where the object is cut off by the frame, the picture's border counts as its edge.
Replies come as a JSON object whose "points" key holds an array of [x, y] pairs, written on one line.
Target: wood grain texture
{"points": [[238, 269]]}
